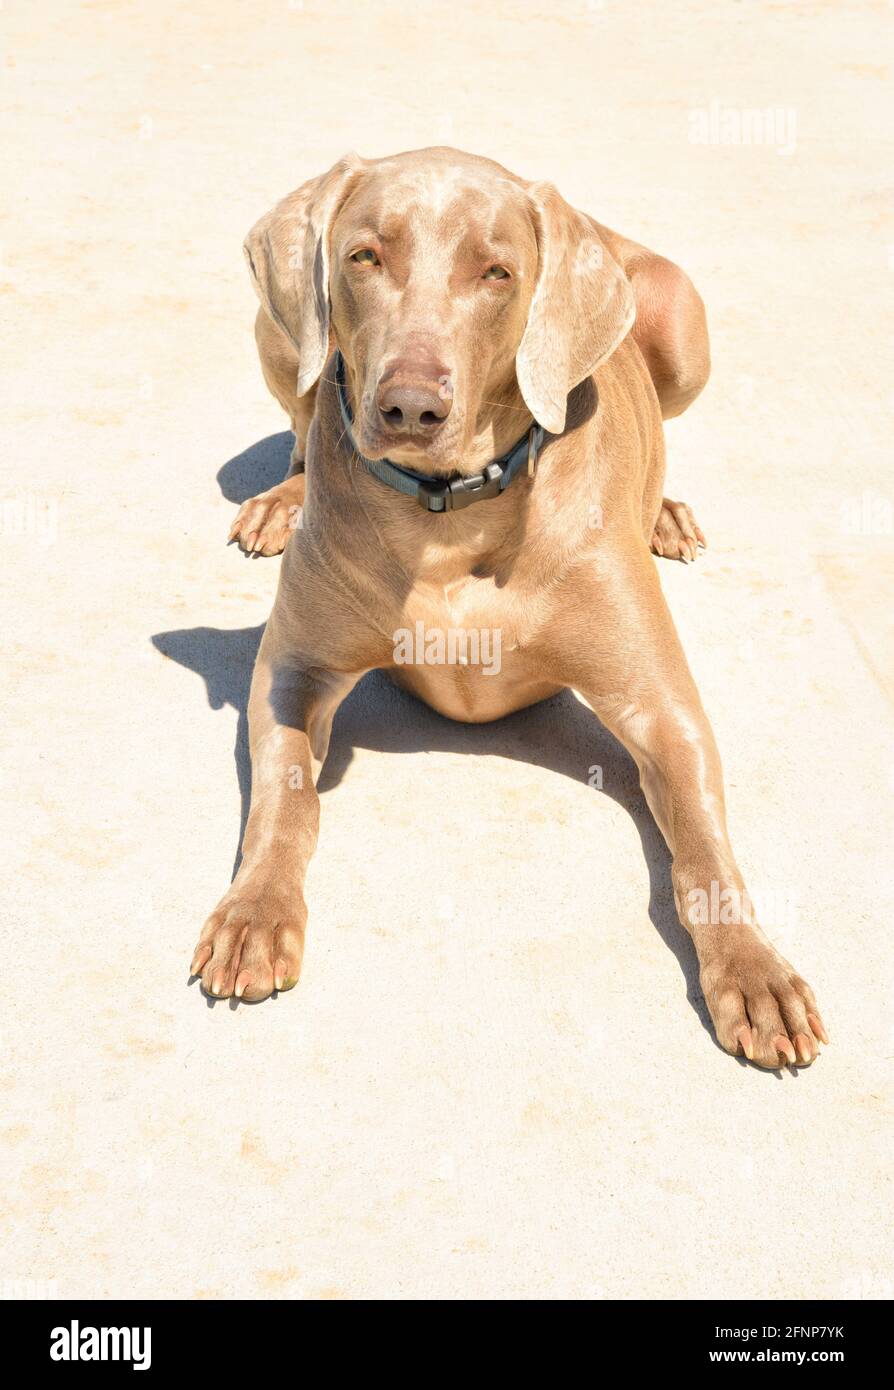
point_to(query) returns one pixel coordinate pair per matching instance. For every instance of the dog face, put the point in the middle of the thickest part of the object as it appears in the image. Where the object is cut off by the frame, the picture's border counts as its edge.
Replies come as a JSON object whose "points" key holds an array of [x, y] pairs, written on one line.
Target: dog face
{"points": [[432, 271], [449, 286]]}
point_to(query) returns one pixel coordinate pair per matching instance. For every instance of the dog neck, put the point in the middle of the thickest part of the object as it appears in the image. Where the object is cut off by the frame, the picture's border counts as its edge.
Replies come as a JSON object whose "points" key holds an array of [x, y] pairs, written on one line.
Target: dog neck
{"points": [[478, 542], [436, 493]]}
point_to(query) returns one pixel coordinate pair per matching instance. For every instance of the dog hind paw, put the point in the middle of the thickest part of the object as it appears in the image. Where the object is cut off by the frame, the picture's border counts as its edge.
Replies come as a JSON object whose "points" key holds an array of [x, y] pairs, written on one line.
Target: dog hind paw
{"points": [[264, 523], [677, 534]]}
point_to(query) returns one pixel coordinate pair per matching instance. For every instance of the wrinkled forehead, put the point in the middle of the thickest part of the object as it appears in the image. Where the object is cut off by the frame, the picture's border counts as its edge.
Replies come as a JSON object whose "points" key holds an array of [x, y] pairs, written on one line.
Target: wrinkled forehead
{"points": [[410, 209]]}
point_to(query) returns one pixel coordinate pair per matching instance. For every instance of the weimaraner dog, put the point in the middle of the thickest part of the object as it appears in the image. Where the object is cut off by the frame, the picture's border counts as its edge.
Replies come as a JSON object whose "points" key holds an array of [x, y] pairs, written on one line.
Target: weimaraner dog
{"points": [[476, 376]]}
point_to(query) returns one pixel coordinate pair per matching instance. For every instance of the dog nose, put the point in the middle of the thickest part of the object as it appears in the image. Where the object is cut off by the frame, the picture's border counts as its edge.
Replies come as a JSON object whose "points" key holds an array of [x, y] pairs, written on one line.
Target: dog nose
{"points": [[412, 402]]}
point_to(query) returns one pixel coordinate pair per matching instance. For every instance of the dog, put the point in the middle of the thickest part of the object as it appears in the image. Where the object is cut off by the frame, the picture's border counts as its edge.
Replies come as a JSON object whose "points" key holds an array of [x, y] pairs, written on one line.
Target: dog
{"points": [[476, 375]]}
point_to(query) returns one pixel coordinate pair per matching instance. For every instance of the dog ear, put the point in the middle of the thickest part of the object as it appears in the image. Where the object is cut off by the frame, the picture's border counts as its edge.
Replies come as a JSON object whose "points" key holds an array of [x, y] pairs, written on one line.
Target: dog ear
{"points": [[288, 258], [582, 308]]}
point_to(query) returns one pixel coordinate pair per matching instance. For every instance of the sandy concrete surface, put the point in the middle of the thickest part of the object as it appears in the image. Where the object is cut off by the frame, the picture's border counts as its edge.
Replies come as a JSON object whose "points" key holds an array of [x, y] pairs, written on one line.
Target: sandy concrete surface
{"points": [[495, 1078]]}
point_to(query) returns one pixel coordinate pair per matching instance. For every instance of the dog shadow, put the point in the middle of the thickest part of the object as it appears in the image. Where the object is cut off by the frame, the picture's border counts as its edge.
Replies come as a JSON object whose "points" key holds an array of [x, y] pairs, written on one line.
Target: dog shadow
{"points": [[560, 734], [257, 468]]}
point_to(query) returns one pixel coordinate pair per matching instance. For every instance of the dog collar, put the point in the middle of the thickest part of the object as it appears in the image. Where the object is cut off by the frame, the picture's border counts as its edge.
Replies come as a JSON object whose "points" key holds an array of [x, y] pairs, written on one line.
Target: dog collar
{"points": [[443, 494]]}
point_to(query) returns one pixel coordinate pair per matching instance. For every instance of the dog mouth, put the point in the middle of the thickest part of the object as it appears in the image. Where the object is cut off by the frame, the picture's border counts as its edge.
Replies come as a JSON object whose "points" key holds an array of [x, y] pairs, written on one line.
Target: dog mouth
{"points": [[397, 430], [416, 449]]}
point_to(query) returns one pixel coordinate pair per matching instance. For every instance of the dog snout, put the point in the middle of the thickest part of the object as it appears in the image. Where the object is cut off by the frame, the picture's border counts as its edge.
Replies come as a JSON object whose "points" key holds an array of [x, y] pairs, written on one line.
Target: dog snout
{"points": [[414, 401]]}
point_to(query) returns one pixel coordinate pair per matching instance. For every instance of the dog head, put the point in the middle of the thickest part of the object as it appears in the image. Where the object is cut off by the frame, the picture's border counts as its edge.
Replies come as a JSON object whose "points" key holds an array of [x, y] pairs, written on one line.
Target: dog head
{"points": [[449, 286]]}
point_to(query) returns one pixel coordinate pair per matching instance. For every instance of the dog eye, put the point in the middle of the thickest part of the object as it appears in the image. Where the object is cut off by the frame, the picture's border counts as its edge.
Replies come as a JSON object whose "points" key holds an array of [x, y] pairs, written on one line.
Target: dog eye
{"points": [[496, 272], [365, 257]]}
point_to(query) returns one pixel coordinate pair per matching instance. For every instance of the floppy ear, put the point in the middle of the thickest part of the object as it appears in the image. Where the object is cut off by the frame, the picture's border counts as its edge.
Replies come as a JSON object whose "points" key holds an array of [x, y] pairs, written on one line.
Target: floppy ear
{"points": [[582, 308], [288, 258]]}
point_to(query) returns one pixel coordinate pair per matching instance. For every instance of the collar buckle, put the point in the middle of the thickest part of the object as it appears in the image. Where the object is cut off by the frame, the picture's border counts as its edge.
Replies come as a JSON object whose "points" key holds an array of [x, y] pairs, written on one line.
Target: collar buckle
{"points": [[461, 492]]}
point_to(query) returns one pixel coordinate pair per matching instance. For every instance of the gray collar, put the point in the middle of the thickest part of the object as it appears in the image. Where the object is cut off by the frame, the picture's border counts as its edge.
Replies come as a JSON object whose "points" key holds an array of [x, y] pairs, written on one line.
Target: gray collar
{"points": [[443, 494]]}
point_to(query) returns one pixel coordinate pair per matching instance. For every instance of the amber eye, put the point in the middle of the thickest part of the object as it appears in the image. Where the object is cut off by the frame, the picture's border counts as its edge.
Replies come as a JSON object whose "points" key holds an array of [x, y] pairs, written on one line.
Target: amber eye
{"points": [[365, 257], [496, 272]]}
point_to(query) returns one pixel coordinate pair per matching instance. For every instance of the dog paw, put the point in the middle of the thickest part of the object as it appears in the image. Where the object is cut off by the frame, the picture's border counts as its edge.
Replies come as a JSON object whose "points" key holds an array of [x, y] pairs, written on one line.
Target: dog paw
{"points": [[760, 1007], [251, 945], [264, 523], [677, 534]]}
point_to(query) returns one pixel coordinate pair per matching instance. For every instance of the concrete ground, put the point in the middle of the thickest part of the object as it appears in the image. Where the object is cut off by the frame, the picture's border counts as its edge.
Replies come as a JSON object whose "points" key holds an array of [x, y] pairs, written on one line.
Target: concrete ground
{"points": [[495, 1078]]}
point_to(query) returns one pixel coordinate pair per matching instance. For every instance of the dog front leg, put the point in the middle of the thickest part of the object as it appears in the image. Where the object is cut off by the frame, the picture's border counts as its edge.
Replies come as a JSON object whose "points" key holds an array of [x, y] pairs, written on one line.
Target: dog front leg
{"points": [[639, 685], [253, 941], [759, 1005]]}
